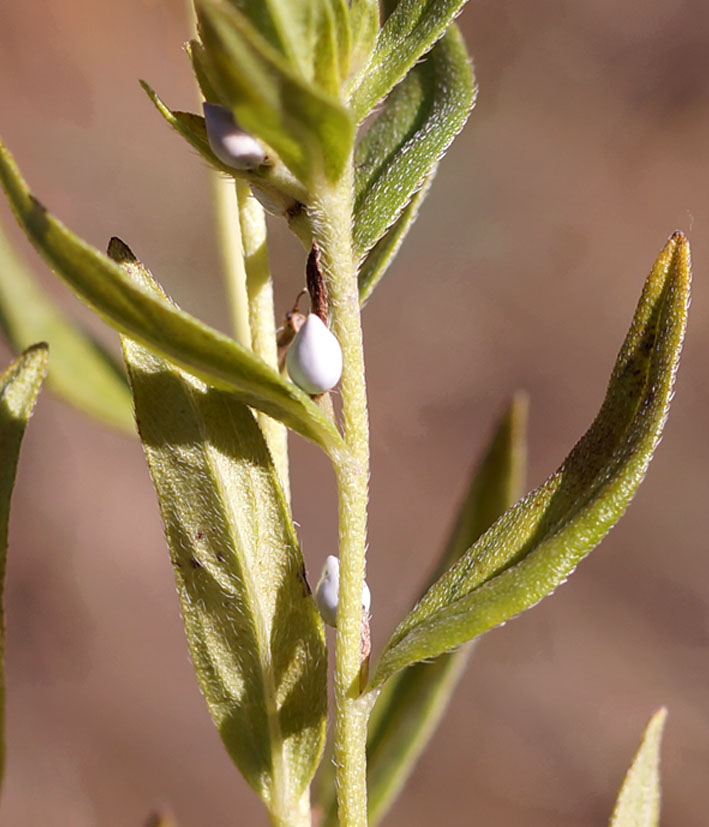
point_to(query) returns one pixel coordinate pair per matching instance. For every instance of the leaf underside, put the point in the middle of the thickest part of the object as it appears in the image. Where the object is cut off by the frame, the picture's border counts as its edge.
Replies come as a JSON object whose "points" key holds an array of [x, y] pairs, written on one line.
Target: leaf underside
{"points": [[537, 543], [256, 639]]}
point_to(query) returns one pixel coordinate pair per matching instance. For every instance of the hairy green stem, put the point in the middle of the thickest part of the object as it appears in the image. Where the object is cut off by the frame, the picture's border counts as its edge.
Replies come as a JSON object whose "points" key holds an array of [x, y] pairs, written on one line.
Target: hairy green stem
{"points": [[332, 221], [262, 322]]}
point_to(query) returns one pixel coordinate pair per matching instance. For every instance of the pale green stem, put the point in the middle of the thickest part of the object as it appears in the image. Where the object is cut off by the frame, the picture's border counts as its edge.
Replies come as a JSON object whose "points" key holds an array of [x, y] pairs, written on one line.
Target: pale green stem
{"points": [[262, 322], [332, 221], [229, 233]]}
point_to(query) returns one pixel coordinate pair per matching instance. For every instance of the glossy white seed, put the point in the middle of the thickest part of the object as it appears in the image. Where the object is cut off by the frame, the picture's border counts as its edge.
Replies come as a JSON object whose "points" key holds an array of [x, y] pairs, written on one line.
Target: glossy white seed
{"points": [[314, 359], [327, 590], [228, 142]]}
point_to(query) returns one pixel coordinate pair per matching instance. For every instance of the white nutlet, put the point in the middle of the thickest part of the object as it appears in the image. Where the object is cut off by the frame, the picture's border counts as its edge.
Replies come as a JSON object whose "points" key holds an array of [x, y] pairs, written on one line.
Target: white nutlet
{"points": [[326, 593], [228, 142], [314, 359]]}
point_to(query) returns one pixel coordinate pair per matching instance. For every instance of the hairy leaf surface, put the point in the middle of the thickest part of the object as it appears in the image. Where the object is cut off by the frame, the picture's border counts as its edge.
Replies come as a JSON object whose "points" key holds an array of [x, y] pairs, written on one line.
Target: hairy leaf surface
{"points": [[416, 126], [537, 543], [408, 33], [132, 307], [19, 388], [379, 258], [308, 128], [82, 371], [638, 803], [256, 639]]}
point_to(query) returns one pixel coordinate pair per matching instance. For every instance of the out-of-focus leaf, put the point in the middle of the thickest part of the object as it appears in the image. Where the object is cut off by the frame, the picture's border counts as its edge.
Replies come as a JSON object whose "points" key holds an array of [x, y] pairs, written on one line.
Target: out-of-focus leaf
{"points": [[196, 54], [134, 308], [256, 639], [364, 23], [411, 704], [378, 259], [160, 818], [416, 126], [408, 33], [536, 544], [82, 372], [19, 387], [309, 129], [638, 803], [343, 34]]}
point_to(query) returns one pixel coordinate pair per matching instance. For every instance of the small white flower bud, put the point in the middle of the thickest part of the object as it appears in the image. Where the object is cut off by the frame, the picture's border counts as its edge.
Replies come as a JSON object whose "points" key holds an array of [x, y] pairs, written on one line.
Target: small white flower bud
{"points": [[326, 593], [228, 142], [314, 359]]}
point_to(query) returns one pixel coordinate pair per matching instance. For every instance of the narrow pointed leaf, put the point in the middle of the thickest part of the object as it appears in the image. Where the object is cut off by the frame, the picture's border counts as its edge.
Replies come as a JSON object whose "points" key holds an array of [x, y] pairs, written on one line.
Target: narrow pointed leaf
{"points": [[381, 256], [198, 58], [408, 33], [82, 371], [308, 128], [325, 48], [134, 308], [19, 387], [416, 126], [412, 703], [536, 544], [638, 803], [256, 639]]}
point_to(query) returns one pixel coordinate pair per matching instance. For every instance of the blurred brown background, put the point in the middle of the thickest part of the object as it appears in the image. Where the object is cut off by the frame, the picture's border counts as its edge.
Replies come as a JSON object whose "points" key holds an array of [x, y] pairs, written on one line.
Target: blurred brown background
{"points": [[588, 146]]}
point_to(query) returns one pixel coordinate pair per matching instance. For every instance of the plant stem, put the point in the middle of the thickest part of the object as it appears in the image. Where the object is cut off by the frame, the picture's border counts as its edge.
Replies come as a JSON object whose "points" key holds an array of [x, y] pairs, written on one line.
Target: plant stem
{"points": [[262, 323], [229, 232], [332, 221]]}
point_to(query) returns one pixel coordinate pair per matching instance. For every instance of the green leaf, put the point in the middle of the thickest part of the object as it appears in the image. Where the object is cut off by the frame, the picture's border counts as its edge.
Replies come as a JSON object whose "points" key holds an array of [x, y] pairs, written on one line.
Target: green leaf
{"points": [[133, 307], [378, 259], [638, 803], [256, 639], [536, 544], [325, 47], [364, 23], [19, 388], [343, 34], [416, 126], [411, 704], [190, 127], [82, 372], [195, 52], [407, 34], [308, 128]]}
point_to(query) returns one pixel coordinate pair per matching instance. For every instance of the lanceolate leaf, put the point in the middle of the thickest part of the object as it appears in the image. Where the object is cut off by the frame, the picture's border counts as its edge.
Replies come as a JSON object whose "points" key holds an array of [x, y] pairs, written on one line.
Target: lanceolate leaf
{"points": [[380, 257], [308, 128], [537, 543], [82, 372], [412, 703], [408, 33], [638, 803], [134, 308], [19, 387], [256, 639], [417, 124]]}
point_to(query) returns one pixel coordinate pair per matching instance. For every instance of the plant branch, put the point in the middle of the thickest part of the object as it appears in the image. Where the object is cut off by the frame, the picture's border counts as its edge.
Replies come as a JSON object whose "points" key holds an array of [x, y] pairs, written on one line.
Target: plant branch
{"points": [[332, 222]]}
